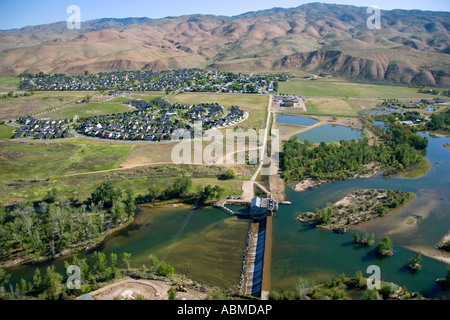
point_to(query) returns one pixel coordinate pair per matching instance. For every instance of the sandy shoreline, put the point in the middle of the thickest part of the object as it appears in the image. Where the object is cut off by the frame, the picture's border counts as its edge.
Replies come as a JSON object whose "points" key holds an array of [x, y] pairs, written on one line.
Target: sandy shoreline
{"points": [[311, 183], [432, 253]]}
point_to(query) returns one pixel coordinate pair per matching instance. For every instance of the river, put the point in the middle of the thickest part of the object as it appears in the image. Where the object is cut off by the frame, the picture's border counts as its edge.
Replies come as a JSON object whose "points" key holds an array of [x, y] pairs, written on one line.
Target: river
{"points": [[207, 244], [300, 250]]}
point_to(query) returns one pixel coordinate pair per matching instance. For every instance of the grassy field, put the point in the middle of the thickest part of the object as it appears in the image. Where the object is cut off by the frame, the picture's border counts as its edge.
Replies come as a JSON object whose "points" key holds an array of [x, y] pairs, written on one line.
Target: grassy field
{"points": [[6, 131], [32, 161], [340, 88], [8, 83], [86, 110], [327, 107], [232, 187], [287, 129], [13, 108], [256, 105], [337, 107]]}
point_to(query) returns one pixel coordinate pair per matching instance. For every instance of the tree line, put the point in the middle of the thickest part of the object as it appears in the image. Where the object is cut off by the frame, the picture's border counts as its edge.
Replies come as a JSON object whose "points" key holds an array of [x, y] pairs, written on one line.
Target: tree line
{"points": [[334, 162], [51, 228], [440, 121], [96, 269], [182, 189]]}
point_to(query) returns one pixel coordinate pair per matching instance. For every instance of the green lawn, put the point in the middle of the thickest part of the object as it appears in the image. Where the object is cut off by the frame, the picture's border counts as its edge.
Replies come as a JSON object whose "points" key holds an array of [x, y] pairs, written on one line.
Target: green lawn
{"points": [[33, 161], [256, 105], [86, 110], [6, 131], [340, 88], [8, 83], [13, 108]]}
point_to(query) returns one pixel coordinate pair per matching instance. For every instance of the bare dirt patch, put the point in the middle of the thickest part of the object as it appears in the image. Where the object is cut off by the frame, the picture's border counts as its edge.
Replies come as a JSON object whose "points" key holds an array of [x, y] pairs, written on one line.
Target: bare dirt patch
{"points": [[129, 289]]}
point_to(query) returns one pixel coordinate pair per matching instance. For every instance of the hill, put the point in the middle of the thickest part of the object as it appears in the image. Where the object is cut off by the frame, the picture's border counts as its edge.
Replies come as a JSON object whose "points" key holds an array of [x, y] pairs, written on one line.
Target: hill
{"points": [[412, 47]]}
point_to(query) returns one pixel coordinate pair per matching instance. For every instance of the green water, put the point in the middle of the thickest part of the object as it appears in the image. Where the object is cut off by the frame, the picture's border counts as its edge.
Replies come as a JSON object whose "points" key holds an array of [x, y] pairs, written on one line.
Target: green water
{"points": [[209, 249], [329, 133], [300, 250]]}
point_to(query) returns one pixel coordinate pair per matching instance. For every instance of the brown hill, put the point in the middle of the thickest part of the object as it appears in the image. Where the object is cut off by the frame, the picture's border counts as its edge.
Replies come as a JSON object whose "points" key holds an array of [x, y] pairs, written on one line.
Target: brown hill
{"points": [[412, 46]]}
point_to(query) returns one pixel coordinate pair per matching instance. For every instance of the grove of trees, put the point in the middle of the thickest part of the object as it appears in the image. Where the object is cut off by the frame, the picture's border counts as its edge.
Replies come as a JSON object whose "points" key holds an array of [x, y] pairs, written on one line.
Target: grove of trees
{"points": [[32, 232], [334, 162]]}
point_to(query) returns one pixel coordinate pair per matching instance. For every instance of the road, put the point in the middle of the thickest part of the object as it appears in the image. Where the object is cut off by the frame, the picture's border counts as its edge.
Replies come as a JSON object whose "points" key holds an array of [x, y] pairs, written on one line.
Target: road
{"points": [[248, 186]]}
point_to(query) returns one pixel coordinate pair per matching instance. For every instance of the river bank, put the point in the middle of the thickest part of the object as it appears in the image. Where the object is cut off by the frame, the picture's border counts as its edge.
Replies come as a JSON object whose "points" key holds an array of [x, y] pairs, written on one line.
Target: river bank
{"points": [[369, 171], [17, 261]]}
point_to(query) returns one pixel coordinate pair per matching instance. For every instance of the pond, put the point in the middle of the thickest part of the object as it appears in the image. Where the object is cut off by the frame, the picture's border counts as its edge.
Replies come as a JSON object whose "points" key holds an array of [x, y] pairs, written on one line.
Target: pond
{"points": [[329, 133], [296, 120]]}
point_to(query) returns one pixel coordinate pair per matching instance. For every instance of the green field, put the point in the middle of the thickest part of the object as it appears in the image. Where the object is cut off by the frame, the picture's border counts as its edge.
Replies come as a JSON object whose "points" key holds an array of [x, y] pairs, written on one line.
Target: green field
{"points": [[8, 83], [256, 105], [86, 110], [45, 160], [6, 131], [13, 108], [343, 89]]}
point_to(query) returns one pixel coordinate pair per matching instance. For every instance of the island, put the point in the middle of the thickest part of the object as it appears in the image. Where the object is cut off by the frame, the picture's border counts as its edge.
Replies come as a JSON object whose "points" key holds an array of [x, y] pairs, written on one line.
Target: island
{"points": [[357, 207]]}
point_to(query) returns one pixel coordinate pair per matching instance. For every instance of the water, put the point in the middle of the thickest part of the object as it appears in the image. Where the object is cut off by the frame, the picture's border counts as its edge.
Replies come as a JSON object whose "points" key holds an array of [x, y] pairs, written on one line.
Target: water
{"points": [[296, 120], [329, 133], [210, 248], [300, 250], [381, 124]]}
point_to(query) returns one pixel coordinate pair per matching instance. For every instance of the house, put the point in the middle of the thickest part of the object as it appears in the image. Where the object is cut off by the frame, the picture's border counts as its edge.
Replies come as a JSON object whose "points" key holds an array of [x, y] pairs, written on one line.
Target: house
{"points": [[262, 207]]}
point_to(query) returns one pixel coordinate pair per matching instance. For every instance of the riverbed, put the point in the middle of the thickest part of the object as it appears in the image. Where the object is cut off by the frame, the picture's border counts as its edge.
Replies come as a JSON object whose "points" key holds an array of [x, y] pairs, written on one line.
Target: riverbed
{"points": [[207, 244]]}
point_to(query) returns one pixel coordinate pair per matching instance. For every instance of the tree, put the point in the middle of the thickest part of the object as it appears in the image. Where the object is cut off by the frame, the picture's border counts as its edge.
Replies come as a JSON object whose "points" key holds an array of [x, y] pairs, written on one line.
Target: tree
{"points": [[230, 174], [52, 196], [125, 260], [384, 247], [180, 187], [371, 295], [304, 287], [130, 202], [414, 262], [118, 214], [4, 277], [37, 280], [2, 214], [53, 283], [106, 194], [359, 279], [165, 270], [172, 293], [154, 192], [98, 264]]}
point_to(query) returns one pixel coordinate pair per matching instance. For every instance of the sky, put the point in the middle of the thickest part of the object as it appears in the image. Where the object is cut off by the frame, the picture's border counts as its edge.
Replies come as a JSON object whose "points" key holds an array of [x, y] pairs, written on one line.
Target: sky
{"points": [[21, 13]]}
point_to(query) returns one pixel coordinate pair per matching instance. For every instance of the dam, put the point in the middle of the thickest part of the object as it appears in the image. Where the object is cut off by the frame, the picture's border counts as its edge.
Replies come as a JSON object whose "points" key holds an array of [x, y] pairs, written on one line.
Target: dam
{"points": [[255, 275]]}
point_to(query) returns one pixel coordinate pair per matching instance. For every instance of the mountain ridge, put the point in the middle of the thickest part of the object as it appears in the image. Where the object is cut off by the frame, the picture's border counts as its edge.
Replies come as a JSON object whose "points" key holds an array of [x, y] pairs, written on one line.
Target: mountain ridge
{"points": [[412, 46]]}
